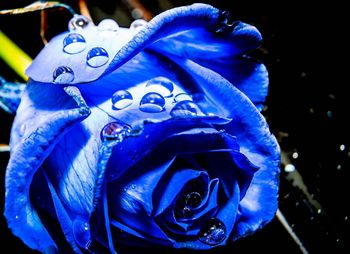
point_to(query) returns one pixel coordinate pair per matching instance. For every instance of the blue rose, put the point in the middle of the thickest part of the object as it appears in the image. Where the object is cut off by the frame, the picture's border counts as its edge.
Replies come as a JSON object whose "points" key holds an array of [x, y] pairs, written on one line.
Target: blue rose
{"points": [[148, 135]]}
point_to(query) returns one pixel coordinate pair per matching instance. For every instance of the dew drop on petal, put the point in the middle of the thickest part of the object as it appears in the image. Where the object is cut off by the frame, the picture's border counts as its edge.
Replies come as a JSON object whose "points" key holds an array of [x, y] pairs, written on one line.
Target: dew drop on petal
{"points": [[212, 232], [184, 109], [115, 131], [97, 57], [152, 103], [187, 212], [160, 85], [63, 75], [121, 99], [74, 43], [137, 25], [193, 199], [182, 97], [78, 22], [81, 232], [108, 25]]}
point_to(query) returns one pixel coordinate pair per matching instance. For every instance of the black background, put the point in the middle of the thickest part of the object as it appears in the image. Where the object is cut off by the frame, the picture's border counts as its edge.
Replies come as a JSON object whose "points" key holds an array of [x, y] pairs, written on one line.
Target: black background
{"points": [[304, 50]]}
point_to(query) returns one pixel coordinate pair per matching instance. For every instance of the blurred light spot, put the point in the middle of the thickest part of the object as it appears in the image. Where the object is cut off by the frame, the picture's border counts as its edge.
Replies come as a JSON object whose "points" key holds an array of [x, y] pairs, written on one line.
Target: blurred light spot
{"points": [[339, 167], [137, 13], [295, 155], [289, 168], [303, 74], [342, 147], [329, 113]]}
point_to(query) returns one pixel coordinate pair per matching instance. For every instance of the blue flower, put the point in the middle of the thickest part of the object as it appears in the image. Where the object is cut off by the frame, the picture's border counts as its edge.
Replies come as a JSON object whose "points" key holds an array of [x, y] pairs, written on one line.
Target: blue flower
{"points": [[148, 135]]}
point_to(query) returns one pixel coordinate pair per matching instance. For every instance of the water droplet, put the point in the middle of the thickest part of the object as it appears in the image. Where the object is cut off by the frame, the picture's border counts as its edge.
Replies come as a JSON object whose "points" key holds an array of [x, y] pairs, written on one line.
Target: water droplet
{"points": [[63, 75], [81, 232], [115, 131], [78, 22], [289, 168], [342, 147], [185, 108], [160, 85], [212, 232], [97, 57], [121, 99], [193, 199], [108, 26], [295, 155], [182, 97], [74, 43], [137, 25], [152, 103], [187, 212]]}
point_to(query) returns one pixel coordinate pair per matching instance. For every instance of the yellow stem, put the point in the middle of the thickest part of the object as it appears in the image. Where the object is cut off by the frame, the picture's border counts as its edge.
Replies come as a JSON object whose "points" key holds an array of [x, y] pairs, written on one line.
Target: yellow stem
{"points": [[15, 57]]}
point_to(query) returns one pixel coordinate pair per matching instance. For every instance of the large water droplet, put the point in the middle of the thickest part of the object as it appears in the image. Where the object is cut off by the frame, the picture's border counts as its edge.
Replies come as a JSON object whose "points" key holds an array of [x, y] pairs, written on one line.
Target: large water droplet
{"points": [[185, 108], [160, 85], [97, 57], [74, 43], [78, 22], [193, 199], [108, 26], [121, 99], [115, 131], [212, 232], [182, 97], [152, 103], [137, 25], [63, 75], [81, 232]]}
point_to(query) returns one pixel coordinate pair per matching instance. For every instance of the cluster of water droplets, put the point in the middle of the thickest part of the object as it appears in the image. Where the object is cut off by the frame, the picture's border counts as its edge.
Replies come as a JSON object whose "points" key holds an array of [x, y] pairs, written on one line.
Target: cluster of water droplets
{"points": [[75, 43], [212, 231], [158, 93]]}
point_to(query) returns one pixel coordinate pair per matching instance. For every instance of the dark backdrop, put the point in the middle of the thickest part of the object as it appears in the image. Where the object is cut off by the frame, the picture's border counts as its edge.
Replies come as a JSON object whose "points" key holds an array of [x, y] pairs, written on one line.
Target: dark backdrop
{"points": [[304, 49]]}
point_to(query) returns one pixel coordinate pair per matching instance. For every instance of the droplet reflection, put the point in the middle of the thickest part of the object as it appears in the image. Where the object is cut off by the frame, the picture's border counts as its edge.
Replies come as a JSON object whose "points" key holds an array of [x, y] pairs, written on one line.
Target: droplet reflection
{"points": [[115, 131], [63, 75], [184, 109], [160, 85], [212, 232], [97, 57], [121, 99], [74, 43], [152, 103]]}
